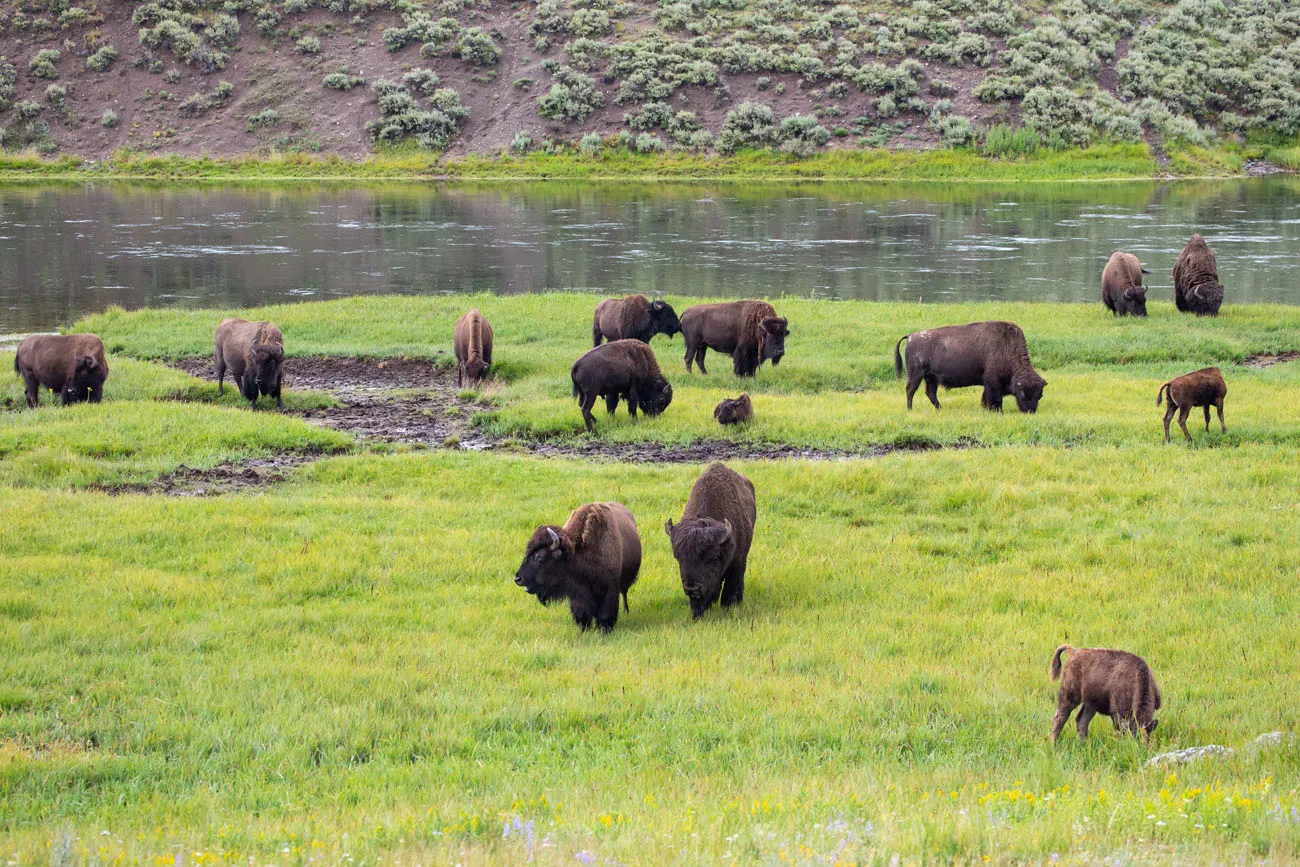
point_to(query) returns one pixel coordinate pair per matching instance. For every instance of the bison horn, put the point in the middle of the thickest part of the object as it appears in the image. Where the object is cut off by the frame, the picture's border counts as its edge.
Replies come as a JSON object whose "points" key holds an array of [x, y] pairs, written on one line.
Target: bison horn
{"points": [[727, 526], [555, 538]]}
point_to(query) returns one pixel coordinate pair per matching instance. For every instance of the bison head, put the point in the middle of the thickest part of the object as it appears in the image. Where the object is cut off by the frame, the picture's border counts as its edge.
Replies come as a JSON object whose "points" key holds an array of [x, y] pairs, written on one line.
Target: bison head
{"points": [[1135, 301], [732, 411], [86, 375], [474, 370], [772, 332], [1027, 388], [654, 397], [663, 319], [544, 572], [267, 359], [704, 549]]}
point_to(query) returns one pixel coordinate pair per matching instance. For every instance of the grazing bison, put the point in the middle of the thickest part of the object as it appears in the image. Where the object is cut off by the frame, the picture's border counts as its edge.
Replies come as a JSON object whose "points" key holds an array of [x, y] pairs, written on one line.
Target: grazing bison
{"points": [[254, 354], [1204, 387], [1108, 682], [635, 317], [992, 354], [749, 331], [711, 542], [70, 365], [621, 368], [473, 345], [736, 410], [590, 561], [1196, 280], [1121, 285]]}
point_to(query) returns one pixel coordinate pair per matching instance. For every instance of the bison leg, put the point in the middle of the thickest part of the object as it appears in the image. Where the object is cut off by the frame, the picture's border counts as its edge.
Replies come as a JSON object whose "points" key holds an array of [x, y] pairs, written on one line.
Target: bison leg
{"points": [[96, 394], [1086, 714], [595, 334], [221, 375], [279, 403], [1207, 418], [699, 357], [588, 401], [913, 383], [733, 585], [611, 402], [1170, 409], [992, 397], [1182, 421], [932, 390], [33, 390], [1063, 710], [607, 614], [1223, 427]]}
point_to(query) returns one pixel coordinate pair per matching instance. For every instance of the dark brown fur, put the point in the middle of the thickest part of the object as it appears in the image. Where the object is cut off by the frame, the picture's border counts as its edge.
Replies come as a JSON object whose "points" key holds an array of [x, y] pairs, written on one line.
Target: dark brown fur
{"points": [[1112, 683], [992, 354], [622, 368], [473, 345], [592, 560], [1204, 387], [253, 352], [635, 317], [1121, 286], [1196, 280], [736, 410], [72, 366], [711, 542], [749, 331]]}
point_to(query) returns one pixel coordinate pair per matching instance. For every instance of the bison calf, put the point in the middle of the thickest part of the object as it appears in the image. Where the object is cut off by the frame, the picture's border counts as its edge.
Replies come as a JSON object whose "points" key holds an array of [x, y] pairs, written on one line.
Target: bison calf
{"points": [[749, 331], [622, 368], [736, 410], [992, 354], [1204, 388], [711, 542], [253, 352], [1121, 285], [1196, 280], [72, 366], [592, 560], [473, 345], [635, 317], [1108, 682]]}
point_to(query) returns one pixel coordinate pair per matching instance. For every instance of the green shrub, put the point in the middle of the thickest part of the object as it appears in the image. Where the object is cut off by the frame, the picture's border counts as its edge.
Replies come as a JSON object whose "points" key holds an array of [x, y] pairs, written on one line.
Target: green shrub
{"points": [[57, 96], [308, 45], [652, 115], [401, 116], [8, 83], [763, 82], [265, 118], [750, 125], [108, 119], [423, 80], [342, 81], [590, 145], [28, 109], [649, 144], [590, 22], [1004, 141], [102, 59], [521, 142], [42, 64], [477, 47], [523, 83], [573, 96]]}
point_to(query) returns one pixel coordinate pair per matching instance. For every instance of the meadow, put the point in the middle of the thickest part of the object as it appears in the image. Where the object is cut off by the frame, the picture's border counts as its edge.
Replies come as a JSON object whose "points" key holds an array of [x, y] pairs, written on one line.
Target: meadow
{"points": [[340, 668]]}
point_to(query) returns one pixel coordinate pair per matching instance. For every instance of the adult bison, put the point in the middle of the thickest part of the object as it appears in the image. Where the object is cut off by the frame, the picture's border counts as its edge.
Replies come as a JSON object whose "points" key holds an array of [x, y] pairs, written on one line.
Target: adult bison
{"points": [[1121, 285], [1196, 280], [253, 352], [622, 368], [72, 366], [711, 542], [473, 345], [749, 331], [1112, 683], [992, 354], [590, 561], [635, 317]]}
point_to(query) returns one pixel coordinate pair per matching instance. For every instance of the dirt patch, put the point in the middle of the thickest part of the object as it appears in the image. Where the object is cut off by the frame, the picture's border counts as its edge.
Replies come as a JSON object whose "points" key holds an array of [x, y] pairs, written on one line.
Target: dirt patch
{"points": [[1263, 360], [227, 478], [707, 450]]}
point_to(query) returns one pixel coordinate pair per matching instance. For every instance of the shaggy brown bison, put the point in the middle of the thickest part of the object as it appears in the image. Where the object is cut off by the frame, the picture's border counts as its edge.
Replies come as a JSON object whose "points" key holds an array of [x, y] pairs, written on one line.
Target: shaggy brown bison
{"points": [[590, 561], [635, 317], [1121, 285], [473, 345], [1196, 280], [1112, 683], [622, 368], [1204, 387], [711, 542], [749, 331], [736, 410], [992, 354], [72, 366], [253, 352]]}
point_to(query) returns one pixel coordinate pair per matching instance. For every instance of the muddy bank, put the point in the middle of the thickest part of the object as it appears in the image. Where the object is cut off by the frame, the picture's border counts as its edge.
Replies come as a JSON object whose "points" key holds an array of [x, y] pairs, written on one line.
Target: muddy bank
{"points": [[1262, 361], [226, 478], [707, 450]]}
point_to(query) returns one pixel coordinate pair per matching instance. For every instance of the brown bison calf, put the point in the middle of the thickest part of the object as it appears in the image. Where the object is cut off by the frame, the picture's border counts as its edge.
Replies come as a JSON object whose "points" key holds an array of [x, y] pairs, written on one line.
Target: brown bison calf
{"points": [[1204, 387], [1196, 280], [737, 410], [749, 331], [1121, 285], [1112, 683], [992, 354], [253, 352], [473, 345], [592, 560], [622, 368], [72, 366], [711, 542], [635, 317]]}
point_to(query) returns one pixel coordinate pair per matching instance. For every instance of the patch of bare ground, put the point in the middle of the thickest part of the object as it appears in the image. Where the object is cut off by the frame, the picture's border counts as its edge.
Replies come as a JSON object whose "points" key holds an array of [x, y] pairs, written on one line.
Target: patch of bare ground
{"points": [[226, 478], [1263, 360]]}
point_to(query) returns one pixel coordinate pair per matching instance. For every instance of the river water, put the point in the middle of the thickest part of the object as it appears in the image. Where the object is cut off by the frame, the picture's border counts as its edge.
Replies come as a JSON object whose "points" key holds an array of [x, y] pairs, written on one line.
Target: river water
{"points": [[67, 250]]}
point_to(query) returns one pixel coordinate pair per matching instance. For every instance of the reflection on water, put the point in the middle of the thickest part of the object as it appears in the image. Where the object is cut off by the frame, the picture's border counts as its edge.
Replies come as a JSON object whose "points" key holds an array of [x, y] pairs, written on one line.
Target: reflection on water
{"points": [[68, 250]]}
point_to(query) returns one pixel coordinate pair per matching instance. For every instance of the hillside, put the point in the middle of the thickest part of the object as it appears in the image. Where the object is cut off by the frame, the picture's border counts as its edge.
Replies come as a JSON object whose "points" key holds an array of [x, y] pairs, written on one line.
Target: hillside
{"points": [[198, 77]]}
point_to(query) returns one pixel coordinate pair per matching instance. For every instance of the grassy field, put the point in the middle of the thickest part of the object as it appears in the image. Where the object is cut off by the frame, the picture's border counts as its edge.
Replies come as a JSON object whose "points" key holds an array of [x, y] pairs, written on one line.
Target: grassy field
{"points": [[339, 668]]}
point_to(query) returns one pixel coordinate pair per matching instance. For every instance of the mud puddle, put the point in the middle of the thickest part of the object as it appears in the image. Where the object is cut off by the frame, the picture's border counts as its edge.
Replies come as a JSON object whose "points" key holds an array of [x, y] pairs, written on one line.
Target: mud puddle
{"points": [[1262, 361], [226, 478]]}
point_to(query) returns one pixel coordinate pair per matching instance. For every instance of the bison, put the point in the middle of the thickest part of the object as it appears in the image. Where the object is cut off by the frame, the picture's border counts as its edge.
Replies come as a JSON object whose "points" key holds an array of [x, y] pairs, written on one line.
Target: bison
{"points": [[1121, 285], [1204, 387], [621, 368], [1196, 280], [749, 331], [592, 560], [992, 354], [72, 366], [254, 354], [1108, 682], [473, 345], [711, 542], [736, 410], [635, 317]]}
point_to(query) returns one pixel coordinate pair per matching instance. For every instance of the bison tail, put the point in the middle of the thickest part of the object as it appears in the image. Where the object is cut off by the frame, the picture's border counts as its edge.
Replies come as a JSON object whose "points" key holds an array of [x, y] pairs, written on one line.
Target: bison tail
{"points": [[1056, 660], [18, 370], [1160, 394], [626, 610], [898, 357], [577, 392]]}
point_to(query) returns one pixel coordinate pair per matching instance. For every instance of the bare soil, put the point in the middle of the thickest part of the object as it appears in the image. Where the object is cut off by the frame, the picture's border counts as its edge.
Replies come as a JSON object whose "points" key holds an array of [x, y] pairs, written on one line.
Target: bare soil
{"points": [[1264, 360], [226, 478]]}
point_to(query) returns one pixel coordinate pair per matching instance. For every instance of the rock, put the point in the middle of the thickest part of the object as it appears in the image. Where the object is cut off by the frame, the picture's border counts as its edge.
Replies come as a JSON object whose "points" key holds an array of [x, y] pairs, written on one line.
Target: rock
{"points": [[1191, 754], [1271, 739]]}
